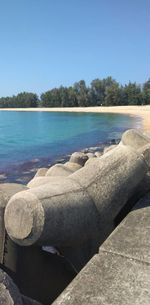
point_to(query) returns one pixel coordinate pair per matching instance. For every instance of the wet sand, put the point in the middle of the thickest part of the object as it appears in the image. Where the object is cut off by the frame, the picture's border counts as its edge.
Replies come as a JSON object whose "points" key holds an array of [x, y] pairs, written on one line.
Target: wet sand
{"points": [[140, 111]]}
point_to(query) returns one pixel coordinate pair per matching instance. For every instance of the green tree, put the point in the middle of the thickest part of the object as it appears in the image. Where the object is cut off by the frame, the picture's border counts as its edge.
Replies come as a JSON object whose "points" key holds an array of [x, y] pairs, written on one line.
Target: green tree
{"points": [[63, 96], [146, 93], [133, 94], [72, 97], [26, 99], [82, 93], [51, 98], [113, 95], [101, 92], [97, 92]]}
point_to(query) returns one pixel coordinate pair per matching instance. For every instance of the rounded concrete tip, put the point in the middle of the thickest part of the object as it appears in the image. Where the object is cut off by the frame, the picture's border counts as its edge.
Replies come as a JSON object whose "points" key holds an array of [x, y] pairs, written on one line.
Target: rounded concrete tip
{"points": [[24, 218], [20, 219]]}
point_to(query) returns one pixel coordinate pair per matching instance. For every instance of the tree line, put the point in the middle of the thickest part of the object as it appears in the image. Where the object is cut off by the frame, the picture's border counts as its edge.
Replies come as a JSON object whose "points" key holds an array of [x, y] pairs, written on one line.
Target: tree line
{"points": [[101, 92]]}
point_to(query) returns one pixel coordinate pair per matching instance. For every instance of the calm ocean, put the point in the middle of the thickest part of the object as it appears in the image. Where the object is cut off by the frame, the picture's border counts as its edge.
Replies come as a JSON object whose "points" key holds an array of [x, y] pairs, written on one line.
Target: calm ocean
{"points": [[29, 140]]}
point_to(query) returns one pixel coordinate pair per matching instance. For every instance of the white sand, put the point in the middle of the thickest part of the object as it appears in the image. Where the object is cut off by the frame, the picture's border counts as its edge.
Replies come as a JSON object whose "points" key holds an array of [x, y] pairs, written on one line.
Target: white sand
{"points": [[141, 111]]}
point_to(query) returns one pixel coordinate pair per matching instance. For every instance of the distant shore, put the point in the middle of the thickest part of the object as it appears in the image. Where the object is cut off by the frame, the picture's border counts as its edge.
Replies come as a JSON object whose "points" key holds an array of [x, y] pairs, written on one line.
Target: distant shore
{"points": [[141, 111]]}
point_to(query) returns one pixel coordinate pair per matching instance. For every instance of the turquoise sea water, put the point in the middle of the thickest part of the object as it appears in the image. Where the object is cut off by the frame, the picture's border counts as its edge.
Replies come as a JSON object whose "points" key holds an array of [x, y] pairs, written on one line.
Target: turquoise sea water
{"points": [[29, 140]]}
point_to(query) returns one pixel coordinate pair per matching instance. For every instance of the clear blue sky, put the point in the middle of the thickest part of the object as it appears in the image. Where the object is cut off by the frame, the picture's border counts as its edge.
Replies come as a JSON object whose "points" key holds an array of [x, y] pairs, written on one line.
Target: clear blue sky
{"points": [[48, 43]]}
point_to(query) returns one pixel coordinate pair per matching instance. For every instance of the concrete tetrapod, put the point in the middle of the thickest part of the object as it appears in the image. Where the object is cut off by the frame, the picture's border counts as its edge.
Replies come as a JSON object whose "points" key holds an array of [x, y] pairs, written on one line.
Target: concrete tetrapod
{"points": [[7, 190], [59, 170], [109, 148], [37, 181], [9, 293], [41, 172], [134, 138], [73, 166], [79, 158], [119, 274], [147, 133], [83, 206]]}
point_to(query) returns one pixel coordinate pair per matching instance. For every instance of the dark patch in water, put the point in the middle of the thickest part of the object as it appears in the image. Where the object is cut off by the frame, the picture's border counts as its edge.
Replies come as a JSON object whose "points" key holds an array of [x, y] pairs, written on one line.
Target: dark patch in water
{"points": [[25, 171]]}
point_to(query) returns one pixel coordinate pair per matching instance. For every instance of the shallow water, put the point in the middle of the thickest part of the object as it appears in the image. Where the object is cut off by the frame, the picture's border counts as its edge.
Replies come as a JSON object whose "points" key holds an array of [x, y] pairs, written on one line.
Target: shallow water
{"points": [[29, 140]]}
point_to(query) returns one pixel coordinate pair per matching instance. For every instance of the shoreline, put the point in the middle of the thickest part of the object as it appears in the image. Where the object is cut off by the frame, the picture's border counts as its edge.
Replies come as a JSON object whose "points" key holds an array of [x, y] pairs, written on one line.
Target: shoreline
{"points": [[141, 111], [25, 170]]}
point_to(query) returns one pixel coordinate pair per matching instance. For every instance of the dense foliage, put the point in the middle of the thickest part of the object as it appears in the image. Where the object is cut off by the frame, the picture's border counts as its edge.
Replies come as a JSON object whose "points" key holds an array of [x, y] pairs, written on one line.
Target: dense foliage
{"points": [[24, 100], [106, 92]]}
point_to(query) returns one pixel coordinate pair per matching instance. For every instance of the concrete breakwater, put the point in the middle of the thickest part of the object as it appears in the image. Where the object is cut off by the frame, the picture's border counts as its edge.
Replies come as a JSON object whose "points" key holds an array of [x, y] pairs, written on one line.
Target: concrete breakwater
{"points": [[71, 209]]}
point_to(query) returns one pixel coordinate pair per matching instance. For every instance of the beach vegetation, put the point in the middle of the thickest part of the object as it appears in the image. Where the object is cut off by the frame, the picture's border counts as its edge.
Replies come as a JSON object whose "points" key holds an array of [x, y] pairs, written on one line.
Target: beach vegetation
{"points": [[146, 93], [101, 92], [22, 100]]}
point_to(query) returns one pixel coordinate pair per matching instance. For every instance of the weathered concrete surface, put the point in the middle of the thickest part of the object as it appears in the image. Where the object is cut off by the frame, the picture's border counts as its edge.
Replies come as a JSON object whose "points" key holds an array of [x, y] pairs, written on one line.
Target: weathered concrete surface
{"points": [[131, 238], [109, 148], [147, 133], [38, 213], [109, 279], [79, 158], [83, 207], [98, 154], [134, 138], [38, 181], [142, 189], [111, 179], [119, 274], [7, 190], [90, 155], [8, 249], [59, 170], [145, 151], [90, 161], [73, 166], [41, 172], [9, 293]]}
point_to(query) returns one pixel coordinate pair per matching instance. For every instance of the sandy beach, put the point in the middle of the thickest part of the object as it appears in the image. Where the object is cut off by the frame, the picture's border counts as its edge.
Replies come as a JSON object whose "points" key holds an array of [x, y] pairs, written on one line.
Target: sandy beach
{"points": [[141, 111]]}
